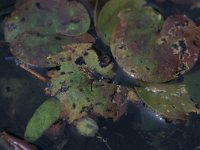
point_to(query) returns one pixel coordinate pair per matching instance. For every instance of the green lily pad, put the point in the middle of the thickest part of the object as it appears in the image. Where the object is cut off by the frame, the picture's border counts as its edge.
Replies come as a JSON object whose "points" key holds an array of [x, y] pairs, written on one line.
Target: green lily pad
{"points": [[80, 95], [108, 16], [97, 5], [84, 56], [170, 100], [42, 119], [151, 51], [48, 17], [34, 48]]}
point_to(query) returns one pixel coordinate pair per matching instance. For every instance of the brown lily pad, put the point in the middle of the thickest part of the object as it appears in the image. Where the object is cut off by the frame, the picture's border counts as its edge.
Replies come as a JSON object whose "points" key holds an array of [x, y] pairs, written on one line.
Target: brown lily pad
{"points": [[34, 48], [151, 52]]}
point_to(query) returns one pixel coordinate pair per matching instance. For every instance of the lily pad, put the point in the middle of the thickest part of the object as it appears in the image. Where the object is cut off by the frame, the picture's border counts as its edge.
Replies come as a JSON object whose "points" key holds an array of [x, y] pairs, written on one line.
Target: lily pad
{"points": [[84, 56], [108, 16], [80, 95], [48, 17], [42, 119], [170, 100], [34, 48], [151, 51]]}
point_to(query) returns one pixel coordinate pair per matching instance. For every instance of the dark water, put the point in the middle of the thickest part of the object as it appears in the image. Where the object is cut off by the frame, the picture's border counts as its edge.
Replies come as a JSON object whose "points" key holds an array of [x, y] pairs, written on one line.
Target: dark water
{"points": [[139, 129]]}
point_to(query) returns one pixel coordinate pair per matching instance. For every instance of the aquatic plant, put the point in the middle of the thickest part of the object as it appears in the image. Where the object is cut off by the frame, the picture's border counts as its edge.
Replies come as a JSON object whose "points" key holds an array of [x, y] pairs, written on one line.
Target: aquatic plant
{"points": [[143, 44]]}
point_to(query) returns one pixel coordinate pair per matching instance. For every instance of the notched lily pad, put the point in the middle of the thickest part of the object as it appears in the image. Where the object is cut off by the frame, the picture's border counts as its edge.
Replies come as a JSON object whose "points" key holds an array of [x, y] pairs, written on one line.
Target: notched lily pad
{"points": [[170, 100], [42, 119], [80, 95], [150, 52], [48, 17], [85, 57], [108, 16]]}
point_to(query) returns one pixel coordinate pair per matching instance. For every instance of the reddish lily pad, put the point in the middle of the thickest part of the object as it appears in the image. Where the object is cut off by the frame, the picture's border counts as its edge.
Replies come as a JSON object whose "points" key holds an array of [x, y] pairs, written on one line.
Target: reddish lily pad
{"points": [[148, 54], [48, 17], [34, 48]]}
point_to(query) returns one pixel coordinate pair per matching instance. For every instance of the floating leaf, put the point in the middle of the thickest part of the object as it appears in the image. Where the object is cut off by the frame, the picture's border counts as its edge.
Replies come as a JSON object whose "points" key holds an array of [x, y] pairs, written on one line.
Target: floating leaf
{"points": [[108, 16], [87, 127], [83, 55], [47, 17], [42, 119], [97, 6], [170, 100], [34, 48], [146, 53], [79, 94]]}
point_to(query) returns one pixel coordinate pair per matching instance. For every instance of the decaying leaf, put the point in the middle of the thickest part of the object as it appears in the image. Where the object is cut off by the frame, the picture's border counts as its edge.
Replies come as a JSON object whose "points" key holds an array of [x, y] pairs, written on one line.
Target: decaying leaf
{"points": [[79, 92], [81, 96], [85, 57], [151, 51], [172, 101]]}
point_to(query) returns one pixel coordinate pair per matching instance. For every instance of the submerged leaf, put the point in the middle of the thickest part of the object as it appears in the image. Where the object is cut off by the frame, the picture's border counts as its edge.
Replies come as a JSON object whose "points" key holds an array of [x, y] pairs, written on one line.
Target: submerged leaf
{"points": [[108, 16], [42, 119], [87, 127], [170, 100]]}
